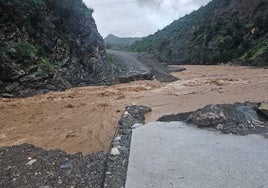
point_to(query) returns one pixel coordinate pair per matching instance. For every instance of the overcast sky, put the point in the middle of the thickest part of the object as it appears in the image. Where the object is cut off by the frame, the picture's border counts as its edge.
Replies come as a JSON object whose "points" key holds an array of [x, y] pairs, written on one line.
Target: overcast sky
{"points": [[128, 18]]}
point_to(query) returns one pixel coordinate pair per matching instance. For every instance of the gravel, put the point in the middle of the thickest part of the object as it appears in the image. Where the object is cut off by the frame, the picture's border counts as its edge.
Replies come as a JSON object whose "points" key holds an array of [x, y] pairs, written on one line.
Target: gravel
{"points": [[117, 163], [29, 166]]}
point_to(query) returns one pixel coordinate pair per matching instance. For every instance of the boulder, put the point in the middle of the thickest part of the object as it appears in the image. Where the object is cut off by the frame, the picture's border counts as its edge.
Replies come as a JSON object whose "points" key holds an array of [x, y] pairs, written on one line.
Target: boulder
{"points": [[238, 118], [7, 95], [263, 108], [213, 115]]}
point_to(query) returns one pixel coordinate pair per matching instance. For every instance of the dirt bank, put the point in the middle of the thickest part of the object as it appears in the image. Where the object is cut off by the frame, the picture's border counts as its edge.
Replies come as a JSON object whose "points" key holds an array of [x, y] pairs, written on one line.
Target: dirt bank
{"points": [[85, 119]]}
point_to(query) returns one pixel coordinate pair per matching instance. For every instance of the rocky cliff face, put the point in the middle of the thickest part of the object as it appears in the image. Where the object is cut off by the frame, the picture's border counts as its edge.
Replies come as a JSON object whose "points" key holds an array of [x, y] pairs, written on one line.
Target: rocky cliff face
{"points": [[49, 45], [222, 31]]}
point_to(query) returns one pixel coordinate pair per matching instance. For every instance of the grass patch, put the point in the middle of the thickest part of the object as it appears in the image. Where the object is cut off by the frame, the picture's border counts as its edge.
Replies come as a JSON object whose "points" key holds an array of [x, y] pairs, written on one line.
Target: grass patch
{"points": [[27, 54], [259, 49]]}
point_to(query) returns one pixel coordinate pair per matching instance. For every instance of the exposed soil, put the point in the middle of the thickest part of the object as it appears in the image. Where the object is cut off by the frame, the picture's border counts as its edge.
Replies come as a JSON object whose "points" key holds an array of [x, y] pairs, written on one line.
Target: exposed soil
{"points": [[85, 119]]}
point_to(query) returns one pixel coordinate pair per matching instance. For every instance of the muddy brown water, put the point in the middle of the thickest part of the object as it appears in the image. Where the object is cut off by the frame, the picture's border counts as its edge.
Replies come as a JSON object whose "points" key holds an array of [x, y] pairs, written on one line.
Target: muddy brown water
{"points": [[85, 119]]}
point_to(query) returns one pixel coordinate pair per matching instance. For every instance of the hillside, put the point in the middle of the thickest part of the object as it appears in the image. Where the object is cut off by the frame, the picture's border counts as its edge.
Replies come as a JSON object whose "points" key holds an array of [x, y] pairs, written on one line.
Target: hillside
{"points": [[49, 45], [118, 43], [220, 32]]}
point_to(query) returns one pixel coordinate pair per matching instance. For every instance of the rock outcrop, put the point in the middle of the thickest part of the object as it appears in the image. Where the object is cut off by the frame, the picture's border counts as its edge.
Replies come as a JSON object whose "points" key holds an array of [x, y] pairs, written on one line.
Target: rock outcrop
{"points": [[235, 118], [49, 45]]}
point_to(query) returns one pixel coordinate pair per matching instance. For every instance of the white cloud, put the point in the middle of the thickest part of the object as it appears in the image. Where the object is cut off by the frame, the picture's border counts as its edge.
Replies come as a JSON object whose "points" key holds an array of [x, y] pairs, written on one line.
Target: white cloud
{"points": [[184, 2], [140, 17]]}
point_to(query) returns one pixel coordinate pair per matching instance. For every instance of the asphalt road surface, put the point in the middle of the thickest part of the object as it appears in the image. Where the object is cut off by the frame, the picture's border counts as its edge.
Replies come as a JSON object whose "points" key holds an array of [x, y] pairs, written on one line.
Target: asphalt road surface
{"points": [[171, 155]]}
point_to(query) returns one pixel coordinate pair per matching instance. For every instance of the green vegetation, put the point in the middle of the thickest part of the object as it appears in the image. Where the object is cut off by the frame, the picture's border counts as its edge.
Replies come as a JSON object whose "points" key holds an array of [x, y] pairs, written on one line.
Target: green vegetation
{"points": [[257, 55], [32, 17], [259, 49], [217, 33], [27, 54], [26, 3], [28, 9], [70, 8], [111, 58], [256, 51], [49, 45]]}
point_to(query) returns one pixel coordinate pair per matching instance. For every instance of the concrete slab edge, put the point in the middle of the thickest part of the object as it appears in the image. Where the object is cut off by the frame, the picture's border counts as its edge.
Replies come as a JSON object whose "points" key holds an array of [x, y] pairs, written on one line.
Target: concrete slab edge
{"points": [[117, 160]]}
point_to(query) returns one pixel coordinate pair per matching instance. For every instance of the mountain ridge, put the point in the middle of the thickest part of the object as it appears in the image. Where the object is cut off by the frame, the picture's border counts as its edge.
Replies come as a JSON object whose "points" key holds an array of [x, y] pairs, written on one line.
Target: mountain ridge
{"points": [[220, 32], [119, 43]]}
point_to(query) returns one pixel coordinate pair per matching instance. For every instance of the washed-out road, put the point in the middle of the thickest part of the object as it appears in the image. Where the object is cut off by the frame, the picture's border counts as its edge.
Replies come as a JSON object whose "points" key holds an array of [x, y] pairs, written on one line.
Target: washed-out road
{"points": [[173, 155]]}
